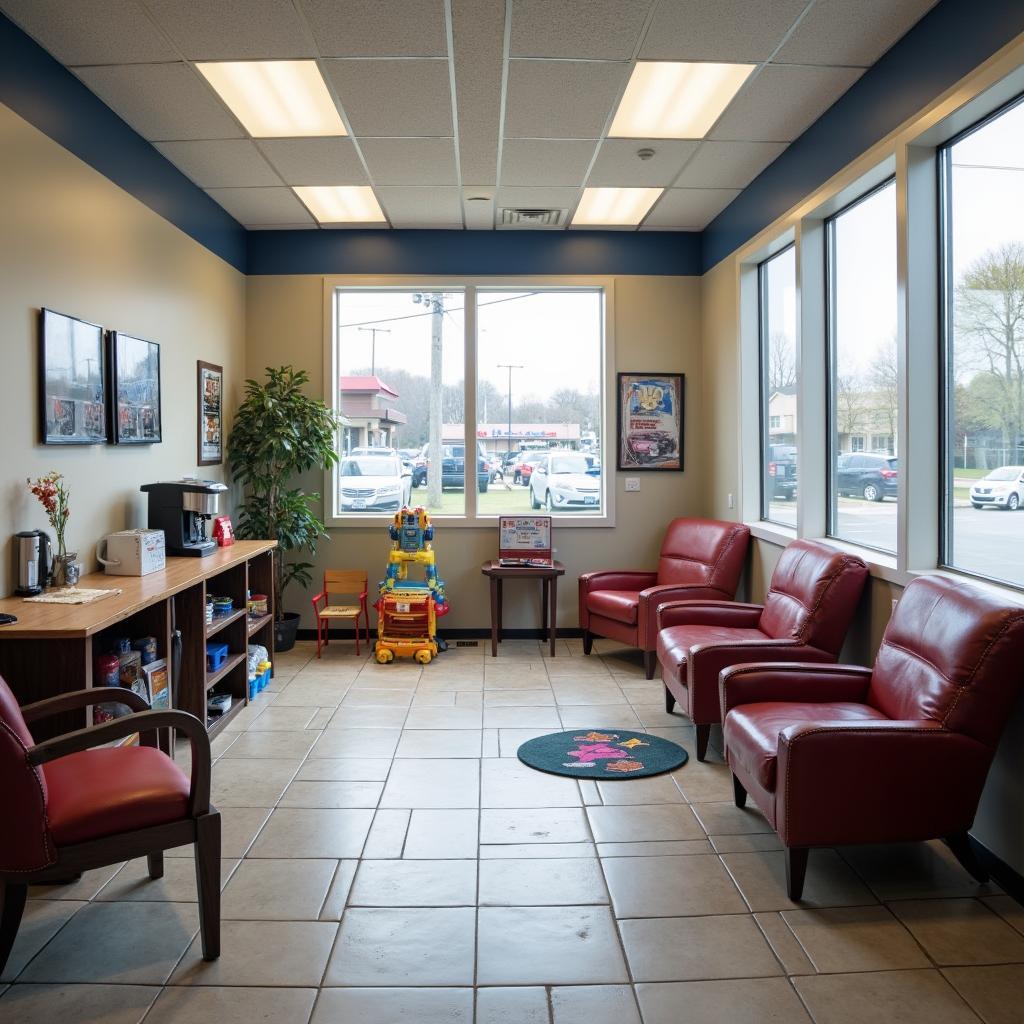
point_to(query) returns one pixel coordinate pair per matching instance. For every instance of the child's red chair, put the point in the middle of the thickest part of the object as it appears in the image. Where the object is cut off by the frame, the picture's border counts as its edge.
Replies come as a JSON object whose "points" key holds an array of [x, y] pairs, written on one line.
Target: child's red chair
{"points": [[341, 583]]}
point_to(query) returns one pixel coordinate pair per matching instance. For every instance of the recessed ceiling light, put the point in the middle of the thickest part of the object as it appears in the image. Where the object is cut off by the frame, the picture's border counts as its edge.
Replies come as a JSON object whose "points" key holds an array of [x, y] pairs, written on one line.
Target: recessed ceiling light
{"points": [[276, 98], [341, 204], [670, 100], [615, 206]]}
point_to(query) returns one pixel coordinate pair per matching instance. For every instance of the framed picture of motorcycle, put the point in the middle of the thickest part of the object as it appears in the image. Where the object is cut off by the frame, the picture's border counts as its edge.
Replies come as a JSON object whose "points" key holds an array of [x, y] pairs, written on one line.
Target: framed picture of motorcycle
{"points": [[651, 421]]}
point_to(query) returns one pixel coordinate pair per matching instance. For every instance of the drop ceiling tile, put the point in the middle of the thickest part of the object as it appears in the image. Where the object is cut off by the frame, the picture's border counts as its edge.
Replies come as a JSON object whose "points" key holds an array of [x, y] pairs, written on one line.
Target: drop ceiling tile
{"points": [[224, 163], [726, 30], [618, 164], [538, 198], [370, 28], [409, 207], [478, 28], [780, 102], [478, 215], [838, 32], [580, 29], [262, 207], [328, 161], [545, 161], [410, 161], [728, 164], [162, 101], [394, 97], [234, 29], [688, 209], [559, 99], [102, 31]]}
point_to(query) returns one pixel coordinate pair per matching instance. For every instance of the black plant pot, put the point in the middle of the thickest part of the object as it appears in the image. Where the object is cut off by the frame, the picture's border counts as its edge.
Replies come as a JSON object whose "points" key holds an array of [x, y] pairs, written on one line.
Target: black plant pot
{"points": [[285, 630]]}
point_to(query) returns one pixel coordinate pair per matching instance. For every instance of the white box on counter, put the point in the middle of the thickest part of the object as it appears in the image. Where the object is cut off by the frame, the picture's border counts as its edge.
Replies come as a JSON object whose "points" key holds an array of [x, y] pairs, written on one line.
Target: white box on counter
{"points": [[132, 552]]}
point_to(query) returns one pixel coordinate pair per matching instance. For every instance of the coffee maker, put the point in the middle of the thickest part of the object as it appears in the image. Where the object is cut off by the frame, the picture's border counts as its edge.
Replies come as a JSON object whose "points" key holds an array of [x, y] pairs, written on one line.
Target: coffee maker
{"points": [[34, 552], [182, 508]]}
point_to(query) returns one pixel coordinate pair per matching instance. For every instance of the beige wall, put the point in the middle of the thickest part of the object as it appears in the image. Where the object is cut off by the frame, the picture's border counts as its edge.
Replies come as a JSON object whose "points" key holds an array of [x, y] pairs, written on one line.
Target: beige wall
{"points": [[72, 241], [657, 327]]}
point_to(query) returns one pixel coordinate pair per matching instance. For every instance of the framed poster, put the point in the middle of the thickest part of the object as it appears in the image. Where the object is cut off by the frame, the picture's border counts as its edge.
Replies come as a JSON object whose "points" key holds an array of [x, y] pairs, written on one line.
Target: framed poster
{"points": [[211, 414], [134, 390], [72, 380], [650, 411]]}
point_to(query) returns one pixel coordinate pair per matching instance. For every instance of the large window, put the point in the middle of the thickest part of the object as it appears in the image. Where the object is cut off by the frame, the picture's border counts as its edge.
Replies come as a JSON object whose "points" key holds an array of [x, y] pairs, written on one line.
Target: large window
{"points": [[864, 386], [402, 356], [983, 250], [777, 300]]}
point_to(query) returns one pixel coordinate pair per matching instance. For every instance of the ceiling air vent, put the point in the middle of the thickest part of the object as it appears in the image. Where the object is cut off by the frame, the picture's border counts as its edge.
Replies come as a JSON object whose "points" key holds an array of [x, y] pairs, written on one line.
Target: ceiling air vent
{"points": [[531, 217]]}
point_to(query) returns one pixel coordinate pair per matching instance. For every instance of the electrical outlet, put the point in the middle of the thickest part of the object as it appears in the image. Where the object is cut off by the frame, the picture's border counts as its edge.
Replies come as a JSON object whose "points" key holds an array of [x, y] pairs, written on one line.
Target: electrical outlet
{"points": [[732, 501], [632, 483]]}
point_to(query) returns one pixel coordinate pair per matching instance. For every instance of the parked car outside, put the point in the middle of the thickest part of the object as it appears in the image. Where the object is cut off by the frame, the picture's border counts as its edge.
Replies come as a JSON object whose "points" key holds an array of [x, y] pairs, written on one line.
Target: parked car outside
{"points": [[1002, 488], [367, 450], [780, 472], [560, 480], [867, 475], [373, 483], [453, 463], [523, 469]]}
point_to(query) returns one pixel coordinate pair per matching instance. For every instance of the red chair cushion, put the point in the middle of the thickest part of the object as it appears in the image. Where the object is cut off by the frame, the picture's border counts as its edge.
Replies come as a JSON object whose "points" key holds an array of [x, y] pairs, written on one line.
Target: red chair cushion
{"points": [[674, 643], [752, 730], [619, 605], [98, 793]]}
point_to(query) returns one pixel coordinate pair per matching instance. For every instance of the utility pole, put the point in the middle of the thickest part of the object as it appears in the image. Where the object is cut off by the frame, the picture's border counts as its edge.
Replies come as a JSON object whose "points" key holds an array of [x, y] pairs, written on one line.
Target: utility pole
{"points": [[510, 367], [435, 302], [373, 345]]}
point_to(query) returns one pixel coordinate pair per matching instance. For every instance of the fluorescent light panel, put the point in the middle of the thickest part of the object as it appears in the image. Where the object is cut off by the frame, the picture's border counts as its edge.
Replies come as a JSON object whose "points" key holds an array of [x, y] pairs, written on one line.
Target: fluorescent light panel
{"points": [[341, 204], [670, 100], [276, 98], [615, 206]]}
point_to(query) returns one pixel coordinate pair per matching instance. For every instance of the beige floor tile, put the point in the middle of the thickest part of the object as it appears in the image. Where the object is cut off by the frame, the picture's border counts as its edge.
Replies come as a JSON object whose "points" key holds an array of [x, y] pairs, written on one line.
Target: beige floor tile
{"points": [[960, 931], [321, 719], [332, 794], [253, 953], [311, 691], [507, 782], [548, 945], [541, 883], [469, 699], [442, 834], [345, 769], [501, 682], [278, 890], [996, 993], [671, 887], [374, 697], [414, 883], [337, 895], [253, 744], [522, 718], [178, 885], [339, 743], [235, 1005], [598, 716], [594, 1004], [518, 698], [286, 719], [1007, 908], [416, 782], [666, 848], [752, 843], [387, 834], [491, 747], [913, 871], [76, 1004], [380, 681], [440, 743], [42, 919], [510, 740], [238, 828], [722, 819], [910, 997], [761, 878], [250, 782], [434, 699], [444, 718], [703, 782], [86, 886], [658, 789], [643, 823], [124, 943], [394, 1006], [783, 942], [847, 939], [697, 948], [349, 716], [536, 851], [740, 1001], [511, 1006], [245, 718], [218, 745], [300, 832], [417, 946], [533, 825], [654, 716]]}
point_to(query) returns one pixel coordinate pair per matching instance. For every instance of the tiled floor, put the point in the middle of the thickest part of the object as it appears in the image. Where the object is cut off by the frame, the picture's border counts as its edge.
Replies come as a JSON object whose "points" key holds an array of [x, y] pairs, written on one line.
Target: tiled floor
{"points": [[386, 858]]}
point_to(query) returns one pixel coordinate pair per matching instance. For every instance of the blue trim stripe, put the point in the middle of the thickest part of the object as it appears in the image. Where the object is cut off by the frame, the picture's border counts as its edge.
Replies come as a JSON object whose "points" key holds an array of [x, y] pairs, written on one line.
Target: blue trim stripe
{"points": [[944, 46], [47, 95]]}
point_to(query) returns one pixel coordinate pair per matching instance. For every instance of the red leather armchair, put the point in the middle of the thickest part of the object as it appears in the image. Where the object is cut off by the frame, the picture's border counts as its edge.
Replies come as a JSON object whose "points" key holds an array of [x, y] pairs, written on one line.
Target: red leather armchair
{"points": [[701, 559], [840, 754], [68, 807], [811, 601]]}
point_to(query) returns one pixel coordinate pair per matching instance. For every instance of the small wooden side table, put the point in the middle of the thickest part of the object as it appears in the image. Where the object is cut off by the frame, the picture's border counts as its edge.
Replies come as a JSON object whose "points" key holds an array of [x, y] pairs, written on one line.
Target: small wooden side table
{"points": [[497, 574]]}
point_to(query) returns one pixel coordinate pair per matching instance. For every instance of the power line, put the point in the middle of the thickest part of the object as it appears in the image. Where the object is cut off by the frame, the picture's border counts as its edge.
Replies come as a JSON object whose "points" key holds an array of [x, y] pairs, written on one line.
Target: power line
{"points": [[449, 309]]}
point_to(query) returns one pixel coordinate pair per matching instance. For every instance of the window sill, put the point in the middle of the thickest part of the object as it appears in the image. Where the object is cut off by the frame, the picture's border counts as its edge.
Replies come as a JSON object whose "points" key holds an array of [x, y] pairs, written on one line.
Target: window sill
{"points": [[463, 522]]}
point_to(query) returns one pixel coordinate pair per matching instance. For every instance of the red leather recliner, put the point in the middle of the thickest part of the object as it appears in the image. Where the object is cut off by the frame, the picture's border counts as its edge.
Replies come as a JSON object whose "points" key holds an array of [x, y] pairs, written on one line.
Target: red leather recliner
{"points": [[811, 601], [701, 559], [68, 808], [840, 754]]}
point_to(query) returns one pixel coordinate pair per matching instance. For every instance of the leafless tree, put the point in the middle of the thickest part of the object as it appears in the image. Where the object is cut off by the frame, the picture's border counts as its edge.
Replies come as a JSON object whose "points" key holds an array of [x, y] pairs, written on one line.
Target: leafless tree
{"points": [[781, 362]]}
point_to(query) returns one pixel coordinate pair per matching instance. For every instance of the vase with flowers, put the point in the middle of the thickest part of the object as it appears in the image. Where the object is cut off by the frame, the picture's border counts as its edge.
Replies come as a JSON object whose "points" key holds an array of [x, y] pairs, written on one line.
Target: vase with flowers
{"points": [[56, 500]]}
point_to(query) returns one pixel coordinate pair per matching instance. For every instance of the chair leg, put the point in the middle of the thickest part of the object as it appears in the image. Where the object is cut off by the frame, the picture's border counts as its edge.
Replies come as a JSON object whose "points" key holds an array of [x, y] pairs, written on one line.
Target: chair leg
{"points": [[14, 896], [960, 844], [156, 864], [650, 661], [670, 701], [796, 869], [739, 794], [703, 735], [588, 641], [207, 853], [319, 629]]}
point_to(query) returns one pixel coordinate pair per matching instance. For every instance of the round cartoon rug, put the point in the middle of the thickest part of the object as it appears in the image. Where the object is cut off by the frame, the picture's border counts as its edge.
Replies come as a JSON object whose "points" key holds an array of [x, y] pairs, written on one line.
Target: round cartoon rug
{"points": [[602, 754]]}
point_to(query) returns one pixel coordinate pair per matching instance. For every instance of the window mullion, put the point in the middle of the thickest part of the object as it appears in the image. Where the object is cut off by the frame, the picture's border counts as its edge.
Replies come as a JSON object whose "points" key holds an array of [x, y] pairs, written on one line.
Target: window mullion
{"points": [[471, 490]]}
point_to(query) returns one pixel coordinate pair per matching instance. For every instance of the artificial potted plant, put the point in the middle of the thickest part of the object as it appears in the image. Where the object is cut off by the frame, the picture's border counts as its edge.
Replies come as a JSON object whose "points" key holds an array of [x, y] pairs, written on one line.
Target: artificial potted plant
{"points": [[278, 433]]}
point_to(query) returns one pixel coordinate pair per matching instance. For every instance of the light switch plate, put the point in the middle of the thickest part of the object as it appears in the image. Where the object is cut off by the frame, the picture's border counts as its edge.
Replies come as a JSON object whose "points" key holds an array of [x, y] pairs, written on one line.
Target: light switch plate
{"points": [[632, 483]]}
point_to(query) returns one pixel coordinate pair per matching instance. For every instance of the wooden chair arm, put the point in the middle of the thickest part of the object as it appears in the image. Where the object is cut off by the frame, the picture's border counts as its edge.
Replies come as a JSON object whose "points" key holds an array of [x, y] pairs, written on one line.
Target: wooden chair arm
{"points": [[82, 699], [322, 596], [144, 722]]}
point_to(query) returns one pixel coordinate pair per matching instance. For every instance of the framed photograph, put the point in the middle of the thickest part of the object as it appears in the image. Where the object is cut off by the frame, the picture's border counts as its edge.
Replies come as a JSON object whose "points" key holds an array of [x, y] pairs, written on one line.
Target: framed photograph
{"points": [[211, 414], [650, 421], [134, 390], [158, 684], [72, 380]]}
